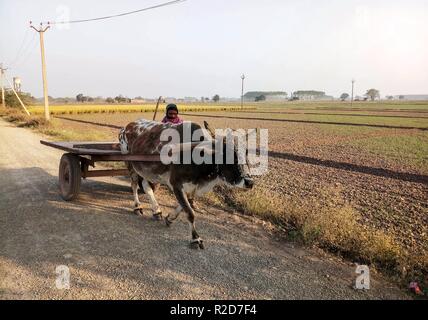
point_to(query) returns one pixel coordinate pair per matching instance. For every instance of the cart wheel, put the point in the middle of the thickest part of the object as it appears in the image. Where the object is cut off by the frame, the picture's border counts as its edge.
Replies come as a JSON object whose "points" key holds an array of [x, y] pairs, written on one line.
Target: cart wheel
{"points": [[69, 176]]}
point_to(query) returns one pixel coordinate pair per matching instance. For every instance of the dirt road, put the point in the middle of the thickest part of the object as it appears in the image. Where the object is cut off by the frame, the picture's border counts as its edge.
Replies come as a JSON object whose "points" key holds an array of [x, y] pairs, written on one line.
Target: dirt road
{"points": [[113, 254]]}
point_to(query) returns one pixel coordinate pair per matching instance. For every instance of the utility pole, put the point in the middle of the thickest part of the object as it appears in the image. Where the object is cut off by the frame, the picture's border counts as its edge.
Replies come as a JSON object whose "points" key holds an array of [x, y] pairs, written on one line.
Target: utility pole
{"points": [[41, 32], [352, 94], [242, 91], [2, 70]]}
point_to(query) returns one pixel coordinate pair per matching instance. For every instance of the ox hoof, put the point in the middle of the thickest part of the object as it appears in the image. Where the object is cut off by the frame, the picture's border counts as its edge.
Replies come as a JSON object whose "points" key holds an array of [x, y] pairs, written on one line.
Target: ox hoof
{"points": [[138, 211], [197, 244], [157, 216]]}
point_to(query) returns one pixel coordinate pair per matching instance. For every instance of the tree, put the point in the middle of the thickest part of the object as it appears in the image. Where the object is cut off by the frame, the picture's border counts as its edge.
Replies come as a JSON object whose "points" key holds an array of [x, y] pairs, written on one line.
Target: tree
{"points": [[373, 94], [122, 99], [344, 96], [110, 100], [13, 102], [260, 98], [401, 97], [79, 97], [252, 95], [389, 97], [216, 98], [119, 98]]}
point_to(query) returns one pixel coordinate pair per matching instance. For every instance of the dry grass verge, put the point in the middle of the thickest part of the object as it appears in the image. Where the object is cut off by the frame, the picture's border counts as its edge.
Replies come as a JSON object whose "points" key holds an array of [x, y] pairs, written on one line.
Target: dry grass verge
{"points": [[52, 128], [22, 119], [335, 228]]}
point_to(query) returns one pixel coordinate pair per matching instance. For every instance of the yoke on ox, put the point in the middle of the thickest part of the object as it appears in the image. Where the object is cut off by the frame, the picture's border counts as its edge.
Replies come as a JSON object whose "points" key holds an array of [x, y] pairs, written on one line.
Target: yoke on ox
{"points": [[181, 168]]}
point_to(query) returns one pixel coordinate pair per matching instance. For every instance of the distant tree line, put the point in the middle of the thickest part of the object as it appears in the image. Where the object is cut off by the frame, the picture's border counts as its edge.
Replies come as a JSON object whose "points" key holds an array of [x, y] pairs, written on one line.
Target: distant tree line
{"points": [[253, 95], [371, 94], [309, 93], [215, 98], [82, 98], [118, 99]]}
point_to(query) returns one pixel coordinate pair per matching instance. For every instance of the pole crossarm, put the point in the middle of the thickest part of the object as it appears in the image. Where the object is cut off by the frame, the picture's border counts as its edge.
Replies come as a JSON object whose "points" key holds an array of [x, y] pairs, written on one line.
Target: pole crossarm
{"points": [[40, 30]]}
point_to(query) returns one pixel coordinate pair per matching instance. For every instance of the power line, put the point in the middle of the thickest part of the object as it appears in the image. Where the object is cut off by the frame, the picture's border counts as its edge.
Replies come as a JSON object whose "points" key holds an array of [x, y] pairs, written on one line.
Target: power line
{"points": [[23, 57], [21, 46], [41, 32], [118, 15]]}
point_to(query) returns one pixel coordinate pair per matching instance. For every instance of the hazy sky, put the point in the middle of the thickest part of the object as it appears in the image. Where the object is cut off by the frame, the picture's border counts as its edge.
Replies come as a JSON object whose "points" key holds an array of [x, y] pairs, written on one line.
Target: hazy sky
{"points": [[201, 47]]}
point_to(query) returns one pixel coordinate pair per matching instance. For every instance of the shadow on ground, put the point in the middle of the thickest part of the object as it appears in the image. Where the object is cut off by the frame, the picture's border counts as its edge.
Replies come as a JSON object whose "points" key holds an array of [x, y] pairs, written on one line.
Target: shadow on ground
{"points": [[380, 172]]}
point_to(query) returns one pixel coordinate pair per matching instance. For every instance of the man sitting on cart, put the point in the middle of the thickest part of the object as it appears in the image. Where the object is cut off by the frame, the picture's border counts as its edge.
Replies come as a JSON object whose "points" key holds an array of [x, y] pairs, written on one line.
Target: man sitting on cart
{"points": [[172, 115]]}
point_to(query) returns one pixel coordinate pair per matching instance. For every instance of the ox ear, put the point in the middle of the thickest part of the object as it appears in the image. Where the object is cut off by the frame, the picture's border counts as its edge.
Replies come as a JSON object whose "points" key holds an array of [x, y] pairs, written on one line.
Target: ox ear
{"points": [[209, 129]]}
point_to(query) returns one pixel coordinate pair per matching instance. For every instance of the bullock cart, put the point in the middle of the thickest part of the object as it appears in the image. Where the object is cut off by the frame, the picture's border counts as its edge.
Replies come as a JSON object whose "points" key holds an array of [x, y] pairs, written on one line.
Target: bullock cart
{"points": [[79, 156]]}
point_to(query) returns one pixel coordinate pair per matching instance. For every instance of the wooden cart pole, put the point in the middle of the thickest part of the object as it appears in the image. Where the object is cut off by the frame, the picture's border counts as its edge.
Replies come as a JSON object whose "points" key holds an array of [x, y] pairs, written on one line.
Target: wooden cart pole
{"points": [[157, 107]]}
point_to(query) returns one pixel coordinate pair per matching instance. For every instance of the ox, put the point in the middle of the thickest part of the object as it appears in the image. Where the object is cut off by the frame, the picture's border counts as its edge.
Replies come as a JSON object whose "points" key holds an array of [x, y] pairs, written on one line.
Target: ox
{"points": [[186, 181]]}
